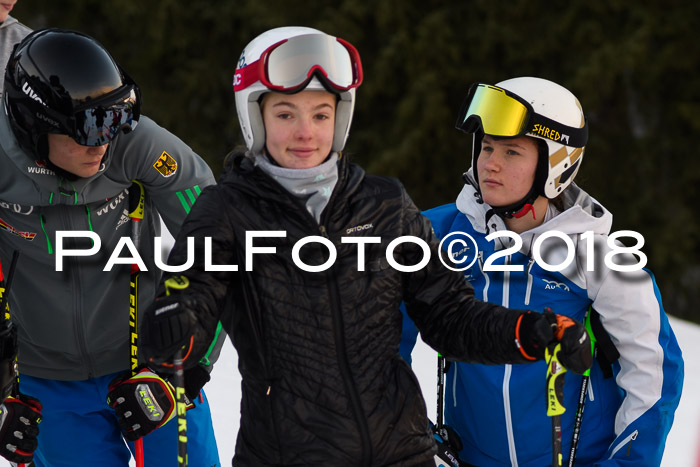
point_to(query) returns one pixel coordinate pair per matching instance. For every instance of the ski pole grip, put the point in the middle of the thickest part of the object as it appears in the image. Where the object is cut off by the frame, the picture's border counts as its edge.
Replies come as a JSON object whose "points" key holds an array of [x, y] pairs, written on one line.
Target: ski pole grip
{"points": [[555, 382]]}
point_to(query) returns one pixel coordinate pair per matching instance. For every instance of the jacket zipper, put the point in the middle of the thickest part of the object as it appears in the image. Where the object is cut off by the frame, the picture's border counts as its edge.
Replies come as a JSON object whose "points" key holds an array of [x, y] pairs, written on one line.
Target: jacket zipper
{"points": [[506, 380], [528, 291], [627, 440], [505, 301], [77, 301], [339, 334], [344, 366], [485, 292], [338, 328], [268, 391], [508, 368], [509, 422]]}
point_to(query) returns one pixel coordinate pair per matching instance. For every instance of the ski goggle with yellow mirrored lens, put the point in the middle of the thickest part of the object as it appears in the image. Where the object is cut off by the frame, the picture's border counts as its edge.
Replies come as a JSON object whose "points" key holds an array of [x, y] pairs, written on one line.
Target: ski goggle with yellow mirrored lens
{"points": [[498, 112], [289, 65]]}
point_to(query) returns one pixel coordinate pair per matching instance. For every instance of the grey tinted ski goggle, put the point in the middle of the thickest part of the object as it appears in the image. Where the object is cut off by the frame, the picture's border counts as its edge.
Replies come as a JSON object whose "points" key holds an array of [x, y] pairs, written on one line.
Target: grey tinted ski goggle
{"points": [[288, 66], [99, 123]]}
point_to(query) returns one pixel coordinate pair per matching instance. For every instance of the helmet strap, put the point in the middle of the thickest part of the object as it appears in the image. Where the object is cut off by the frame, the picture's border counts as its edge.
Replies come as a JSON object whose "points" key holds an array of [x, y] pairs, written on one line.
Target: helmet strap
{"points": [[526, 204], [41, 151], [62, 173], [526, 208], [42, 154], [518, 209]]}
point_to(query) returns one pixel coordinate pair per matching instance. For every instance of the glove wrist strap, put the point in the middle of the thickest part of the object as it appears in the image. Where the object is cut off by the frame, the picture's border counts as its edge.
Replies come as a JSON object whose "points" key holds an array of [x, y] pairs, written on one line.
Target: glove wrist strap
{"points": [[518, 343]]}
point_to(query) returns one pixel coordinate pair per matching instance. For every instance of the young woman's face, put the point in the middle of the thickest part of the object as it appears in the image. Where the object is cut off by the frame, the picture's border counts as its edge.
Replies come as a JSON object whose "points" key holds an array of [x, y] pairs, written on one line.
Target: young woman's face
{"points": [[506, 169], [83, 161], [299, 127], [5, 8]]}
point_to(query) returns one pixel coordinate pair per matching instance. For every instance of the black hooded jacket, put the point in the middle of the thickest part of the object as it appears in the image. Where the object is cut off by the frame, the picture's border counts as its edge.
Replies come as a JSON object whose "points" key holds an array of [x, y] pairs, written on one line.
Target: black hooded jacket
{"points": [[323, 383]]}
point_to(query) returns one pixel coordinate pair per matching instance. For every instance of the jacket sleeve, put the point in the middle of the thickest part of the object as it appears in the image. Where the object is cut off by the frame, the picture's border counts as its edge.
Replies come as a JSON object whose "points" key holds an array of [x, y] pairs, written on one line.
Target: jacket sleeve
{"points": [[409, 335], [650, 368], [208, 283], [173, 176], [441, 219], [442, 305], [170, 171]]}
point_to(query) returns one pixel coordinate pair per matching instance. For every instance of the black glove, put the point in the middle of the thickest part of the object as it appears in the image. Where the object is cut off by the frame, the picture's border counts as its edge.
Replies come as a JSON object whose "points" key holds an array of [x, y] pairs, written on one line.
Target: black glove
{"points": [[195, 379], [169, 325], [142, 402], [448, 444], [19, 417], [535, 332]]}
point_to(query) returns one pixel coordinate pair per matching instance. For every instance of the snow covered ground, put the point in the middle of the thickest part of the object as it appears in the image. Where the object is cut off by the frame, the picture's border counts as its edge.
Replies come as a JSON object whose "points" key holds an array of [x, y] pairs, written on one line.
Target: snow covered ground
{"points": [[681, 447]]}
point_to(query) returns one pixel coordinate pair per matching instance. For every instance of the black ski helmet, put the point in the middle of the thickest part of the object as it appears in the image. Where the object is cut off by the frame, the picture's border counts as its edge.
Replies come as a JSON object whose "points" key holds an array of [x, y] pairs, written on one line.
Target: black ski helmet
{"points": [[64, 82]]}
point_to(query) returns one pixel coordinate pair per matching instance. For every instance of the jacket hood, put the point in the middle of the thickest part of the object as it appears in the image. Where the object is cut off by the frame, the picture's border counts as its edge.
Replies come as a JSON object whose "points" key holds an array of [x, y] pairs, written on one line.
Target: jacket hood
{"points": [[582, 213], [10, 20]]}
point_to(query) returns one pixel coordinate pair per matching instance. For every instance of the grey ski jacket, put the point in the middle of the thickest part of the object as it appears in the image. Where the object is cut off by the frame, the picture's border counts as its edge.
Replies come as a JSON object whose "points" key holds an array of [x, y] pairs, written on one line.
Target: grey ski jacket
{"points": [[73, 324], [323, 382]]}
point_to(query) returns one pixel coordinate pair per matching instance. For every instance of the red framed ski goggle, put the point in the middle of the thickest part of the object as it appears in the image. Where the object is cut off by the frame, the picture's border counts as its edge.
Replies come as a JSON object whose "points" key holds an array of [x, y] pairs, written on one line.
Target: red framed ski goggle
{"points": [[290, 64]]}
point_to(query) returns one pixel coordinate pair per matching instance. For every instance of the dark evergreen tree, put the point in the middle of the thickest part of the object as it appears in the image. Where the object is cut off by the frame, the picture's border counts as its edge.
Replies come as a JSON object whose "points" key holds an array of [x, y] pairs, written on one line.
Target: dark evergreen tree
{"points": [[633, 66]]}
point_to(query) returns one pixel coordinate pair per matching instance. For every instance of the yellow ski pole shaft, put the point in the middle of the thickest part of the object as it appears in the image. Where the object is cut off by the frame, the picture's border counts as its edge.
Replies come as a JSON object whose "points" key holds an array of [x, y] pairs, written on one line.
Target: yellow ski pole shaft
{"points": [[555, 399], [179, 283], [136, 215], [11, 372]]}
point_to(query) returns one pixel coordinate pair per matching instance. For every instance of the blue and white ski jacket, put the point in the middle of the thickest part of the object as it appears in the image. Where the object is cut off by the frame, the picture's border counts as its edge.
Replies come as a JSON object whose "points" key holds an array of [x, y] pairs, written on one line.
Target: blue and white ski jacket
{"points": [[499, 411]]}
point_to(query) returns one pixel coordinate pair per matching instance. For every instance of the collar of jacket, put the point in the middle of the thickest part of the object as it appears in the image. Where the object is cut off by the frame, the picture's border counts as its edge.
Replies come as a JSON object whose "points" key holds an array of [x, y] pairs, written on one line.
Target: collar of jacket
{"points": [[242, 166], [240, 171]]}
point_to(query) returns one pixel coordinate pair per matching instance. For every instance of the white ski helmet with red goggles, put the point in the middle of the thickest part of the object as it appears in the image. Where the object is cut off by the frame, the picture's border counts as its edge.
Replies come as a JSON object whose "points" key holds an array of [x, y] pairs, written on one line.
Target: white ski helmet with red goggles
{"points": [[533, 107], [290, 60]]}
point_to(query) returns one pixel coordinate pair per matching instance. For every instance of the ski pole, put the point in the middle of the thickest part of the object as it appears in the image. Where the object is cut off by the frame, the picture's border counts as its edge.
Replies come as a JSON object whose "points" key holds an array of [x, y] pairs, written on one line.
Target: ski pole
{"points": [[5, 285], [555, 399], [179, 283], [11, 372], [450, 438], [440, 392], [137, 207], [582, 393], [179, 380]]}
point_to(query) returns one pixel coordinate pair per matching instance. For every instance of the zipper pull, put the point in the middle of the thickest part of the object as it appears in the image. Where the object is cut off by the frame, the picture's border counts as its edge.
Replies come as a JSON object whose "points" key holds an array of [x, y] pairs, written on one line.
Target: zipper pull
{"points": [[530, 263], [629, 446]]}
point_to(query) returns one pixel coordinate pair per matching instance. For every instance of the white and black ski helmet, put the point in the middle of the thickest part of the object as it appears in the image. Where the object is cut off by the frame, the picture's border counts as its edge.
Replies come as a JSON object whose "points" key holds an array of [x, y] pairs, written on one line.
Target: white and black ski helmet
{"points": [[559, 104], [554, 116], [248, 87]]}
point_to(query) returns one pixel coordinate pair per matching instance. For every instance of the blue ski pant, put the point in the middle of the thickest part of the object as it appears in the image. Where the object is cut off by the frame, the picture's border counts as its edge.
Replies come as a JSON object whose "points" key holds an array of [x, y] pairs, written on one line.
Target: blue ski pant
{"points": [[79, 428]]}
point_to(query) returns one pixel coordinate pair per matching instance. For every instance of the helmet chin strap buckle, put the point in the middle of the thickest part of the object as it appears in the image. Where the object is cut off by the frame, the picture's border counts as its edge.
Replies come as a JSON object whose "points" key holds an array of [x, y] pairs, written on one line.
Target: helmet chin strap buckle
{"points": [[526, 208]]}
